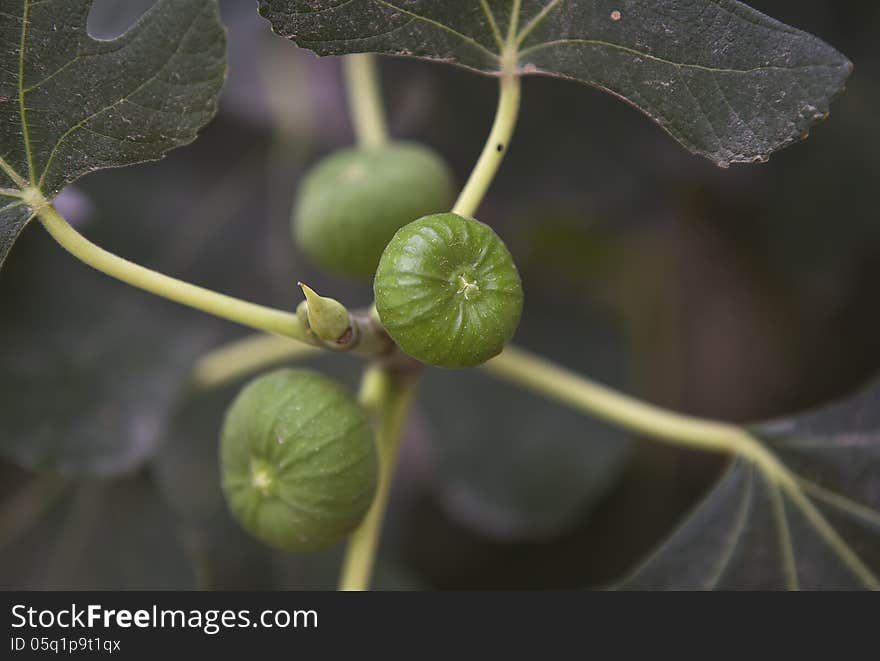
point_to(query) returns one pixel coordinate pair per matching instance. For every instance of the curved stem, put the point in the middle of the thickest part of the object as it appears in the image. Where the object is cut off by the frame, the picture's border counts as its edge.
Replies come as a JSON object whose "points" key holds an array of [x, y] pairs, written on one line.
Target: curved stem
{"points": [[543, 377], [496, 146], [219, 305], [365, 100], [244, 357], [390, 399]]}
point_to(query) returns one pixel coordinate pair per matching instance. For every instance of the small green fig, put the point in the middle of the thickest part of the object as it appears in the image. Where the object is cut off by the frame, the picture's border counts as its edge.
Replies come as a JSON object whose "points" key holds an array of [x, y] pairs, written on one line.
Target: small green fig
{"points": [[298, 460], [447, 291], [352, 203]]}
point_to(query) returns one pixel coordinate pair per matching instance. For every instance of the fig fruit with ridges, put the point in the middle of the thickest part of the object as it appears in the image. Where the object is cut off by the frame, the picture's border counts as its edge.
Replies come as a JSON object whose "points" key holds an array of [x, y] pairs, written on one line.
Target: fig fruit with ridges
{"points": [[298, 460], [448, 292]]}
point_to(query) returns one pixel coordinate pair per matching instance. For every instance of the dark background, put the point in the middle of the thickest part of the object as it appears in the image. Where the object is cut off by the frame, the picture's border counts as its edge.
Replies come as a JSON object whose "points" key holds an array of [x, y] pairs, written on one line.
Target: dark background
{"points": [[742, 294]]}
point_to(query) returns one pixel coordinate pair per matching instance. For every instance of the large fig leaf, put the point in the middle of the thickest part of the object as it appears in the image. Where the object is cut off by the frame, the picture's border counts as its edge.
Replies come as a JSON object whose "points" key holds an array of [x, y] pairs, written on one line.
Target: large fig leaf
{"points": [[87, 378], [92, 367], [815, 525], [104, 535], [71, 104], [726, 81]]}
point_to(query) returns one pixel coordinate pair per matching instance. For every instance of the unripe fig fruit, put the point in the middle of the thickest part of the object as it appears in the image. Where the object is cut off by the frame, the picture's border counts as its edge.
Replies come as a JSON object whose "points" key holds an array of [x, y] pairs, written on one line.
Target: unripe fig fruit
{"points": [[352, 203], [298, 460], [447, 291]]}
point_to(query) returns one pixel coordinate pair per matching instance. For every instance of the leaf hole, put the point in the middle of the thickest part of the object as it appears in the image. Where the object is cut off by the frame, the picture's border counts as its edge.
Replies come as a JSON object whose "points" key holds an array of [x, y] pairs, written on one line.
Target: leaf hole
{"points": [[109, 19]]}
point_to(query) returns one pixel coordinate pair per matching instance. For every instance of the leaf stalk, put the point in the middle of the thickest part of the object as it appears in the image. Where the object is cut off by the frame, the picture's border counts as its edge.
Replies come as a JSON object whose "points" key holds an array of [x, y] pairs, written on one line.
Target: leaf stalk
{"points": [[389, 397], [367, 337], [365, 100], [496, 145]]}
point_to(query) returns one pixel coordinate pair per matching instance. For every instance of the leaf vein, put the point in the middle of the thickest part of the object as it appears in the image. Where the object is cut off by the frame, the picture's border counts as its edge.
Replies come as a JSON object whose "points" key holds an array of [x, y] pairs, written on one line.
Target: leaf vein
{"points": [[789, 565], [437, 24], [683, 65], [16, 178], [742, 517], [60, 69], [11, 206], [536, 21], [841, 502], [125, 97], [321, 11], [371, 36], [25, 130], [493, 24], [832, 538], [705, 116]]}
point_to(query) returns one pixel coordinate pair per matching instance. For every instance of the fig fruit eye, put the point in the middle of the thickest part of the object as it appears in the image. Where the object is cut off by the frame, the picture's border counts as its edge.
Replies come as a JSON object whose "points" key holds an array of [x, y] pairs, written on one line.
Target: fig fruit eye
{"points": [[448, 292], [352, 203], [298, 460]]}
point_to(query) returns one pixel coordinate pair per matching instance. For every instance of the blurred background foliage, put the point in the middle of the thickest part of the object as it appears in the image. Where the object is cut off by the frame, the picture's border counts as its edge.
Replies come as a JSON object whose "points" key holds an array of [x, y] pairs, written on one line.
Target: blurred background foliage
{"points": [[739, 294]]}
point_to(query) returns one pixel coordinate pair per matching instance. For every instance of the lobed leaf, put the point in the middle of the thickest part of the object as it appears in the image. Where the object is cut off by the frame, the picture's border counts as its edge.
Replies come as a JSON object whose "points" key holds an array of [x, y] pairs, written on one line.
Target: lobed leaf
{"points": [[103, 535], [726, 81], [89, 379], [71, 104], [753, 533]]}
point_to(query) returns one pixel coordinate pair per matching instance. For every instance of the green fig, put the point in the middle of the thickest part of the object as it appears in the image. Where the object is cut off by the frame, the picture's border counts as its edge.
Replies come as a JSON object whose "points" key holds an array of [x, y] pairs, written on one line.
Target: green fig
{"points": [[299, 461], [352, 203], [447, 291]]}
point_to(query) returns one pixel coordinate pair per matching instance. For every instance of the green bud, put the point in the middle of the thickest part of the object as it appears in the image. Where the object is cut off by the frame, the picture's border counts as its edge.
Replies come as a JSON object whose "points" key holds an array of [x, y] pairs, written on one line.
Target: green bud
{"points": [[302, 313], [328, 318]]}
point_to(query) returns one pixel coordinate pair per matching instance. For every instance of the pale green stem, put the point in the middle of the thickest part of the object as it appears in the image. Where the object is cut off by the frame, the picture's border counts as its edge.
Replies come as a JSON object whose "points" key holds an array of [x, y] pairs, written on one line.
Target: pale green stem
{"points": [[558, 383], [365, 100], [531, 372], [16, 178], [543, 377], [380, 391], [496, 146], [255, 316], [390, 401], [242, 358]]}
